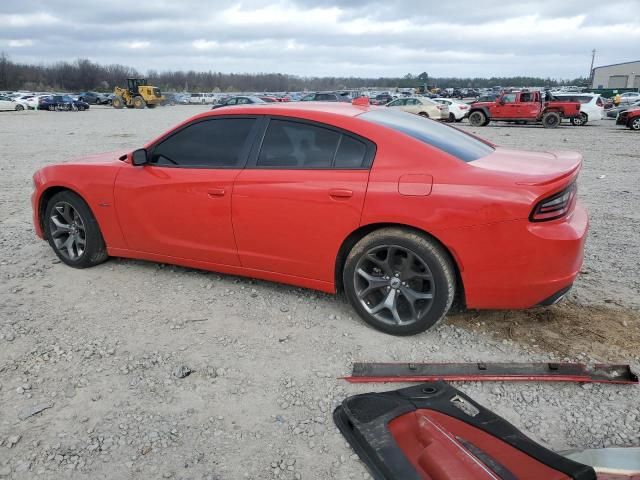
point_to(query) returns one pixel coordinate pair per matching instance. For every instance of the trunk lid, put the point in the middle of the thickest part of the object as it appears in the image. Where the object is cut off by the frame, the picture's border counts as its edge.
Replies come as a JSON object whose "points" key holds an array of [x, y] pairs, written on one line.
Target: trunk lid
{"points": [[531, 168]]}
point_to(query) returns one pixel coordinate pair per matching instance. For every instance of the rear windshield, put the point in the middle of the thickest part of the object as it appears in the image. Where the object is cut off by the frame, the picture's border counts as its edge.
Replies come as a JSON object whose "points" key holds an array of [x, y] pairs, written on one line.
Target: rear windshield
{"points": [[448, 139]]}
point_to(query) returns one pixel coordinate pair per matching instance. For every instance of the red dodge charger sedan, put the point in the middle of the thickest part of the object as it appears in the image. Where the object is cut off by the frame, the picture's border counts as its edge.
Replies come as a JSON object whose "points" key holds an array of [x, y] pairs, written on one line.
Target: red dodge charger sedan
{"points": [[402, 213]]}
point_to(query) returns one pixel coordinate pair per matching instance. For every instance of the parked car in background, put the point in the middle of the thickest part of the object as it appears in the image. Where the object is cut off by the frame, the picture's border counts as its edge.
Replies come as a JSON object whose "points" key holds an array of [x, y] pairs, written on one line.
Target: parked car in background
{"points": [[332, 197], [630, 118], [425, 107], [591, 106], [488, 97], [169, 99], [326, 97], [7, 103], [627, 98], [381, 99], [93, 98], [613, 112], [201, 98], [239, 100], [268, 99], [61, 102], [458, 110], [25, 101]]}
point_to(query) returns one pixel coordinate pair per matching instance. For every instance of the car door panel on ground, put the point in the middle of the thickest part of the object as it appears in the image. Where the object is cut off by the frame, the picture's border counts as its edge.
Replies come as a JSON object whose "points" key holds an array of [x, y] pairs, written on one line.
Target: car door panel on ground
{"points": [[181, 200], [300, 196]]}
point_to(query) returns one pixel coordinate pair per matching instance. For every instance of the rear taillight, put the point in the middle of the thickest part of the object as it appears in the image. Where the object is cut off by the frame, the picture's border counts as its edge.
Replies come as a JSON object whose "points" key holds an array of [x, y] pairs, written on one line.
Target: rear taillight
{"points": [[599, 102], [555, 206], [440, 107], [463, 107]]}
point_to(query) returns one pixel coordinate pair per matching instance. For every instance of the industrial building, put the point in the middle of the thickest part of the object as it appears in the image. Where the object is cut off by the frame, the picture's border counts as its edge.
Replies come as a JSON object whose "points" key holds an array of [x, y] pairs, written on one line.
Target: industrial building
{"points": [[617, 75]]}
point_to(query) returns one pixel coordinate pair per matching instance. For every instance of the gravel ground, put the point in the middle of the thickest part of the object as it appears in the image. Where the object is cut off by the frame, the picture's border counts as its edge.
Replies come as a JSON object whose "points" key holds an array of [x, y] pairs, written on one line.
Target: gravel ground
{"points": [[139, 370]]}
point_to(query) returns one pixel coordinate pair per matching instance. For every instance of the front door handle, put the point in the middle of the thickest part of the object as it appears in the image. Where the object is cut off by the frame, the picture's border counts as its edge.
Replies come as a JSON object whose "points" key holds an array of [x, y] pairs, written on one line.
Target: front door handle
{"points": [[216, 192], [340, 193]]}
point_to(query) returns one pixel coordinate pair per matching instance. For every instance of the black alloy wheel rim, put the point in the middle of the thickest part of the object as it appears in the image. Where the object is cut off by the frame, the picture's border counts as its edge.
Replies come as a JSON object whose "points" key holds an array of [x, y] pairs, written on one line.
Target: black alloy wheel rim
{"points": [[394, 285], [67, 231]]}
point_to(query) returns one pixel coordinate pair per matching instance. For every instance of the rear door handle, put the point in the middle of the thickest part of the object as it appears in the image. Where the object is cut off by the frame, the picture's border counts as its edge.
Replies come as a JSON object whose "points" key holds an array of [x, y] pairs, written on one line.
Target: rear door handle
{"points": [[340, 193], [216, 192]]}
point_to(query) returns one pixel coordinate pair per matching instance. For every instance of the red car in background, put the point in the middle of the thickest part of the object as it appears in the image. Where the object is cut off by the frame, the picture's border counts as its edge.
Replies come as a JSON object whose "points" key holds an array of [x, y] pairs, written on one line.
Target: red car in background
{"points": [[402, 213], [630, 118]]}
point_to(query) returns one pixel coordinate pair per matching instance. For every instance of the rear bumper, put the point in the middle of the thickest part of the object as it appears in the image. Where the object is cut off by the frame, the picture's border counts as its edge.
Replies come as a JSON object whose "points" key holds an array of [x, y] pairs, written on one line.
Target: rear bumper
{"points": [[519, 264]]}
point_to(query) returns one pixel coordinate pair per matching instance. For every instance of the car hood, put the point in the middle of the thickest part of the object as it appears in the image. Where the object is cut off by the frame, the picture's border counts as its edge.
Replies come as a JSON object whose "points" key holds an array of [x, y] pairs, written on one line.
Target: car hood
{"points": [[99, 158], [531, 168]]}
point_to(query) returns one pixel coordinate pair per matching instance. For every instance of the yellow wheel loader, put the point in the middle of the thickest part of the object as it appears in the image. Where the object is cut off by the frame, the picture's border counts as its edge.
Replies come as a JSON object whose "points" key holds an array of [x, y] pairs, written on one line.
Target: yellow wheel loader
{"points": [[137, 95]]}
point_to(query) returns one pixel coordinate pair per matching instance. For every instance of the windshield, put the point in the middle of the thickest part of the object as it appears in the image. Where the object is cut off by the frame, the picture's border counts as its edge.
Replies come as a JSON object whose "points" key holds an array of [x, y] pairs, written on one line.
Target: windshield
{"points": [[448, 139]]}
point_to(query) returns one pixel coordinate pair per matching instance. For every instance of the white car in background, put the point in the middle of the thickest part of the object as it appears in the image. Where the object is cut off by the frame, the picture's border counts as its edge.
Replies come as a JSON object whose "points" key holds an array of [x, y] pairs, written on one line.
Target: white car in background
{"points": [[457, 109], [26, 101], [591, 106], [425, 107], [7, 103], [627, 98]]}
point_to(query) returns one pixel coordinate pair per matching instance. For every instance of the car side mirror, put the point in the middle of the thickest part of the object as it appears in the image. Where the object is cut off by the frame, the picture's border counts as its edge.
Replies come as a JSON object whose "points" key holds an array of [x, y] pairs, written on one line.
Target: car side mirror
{"points": [[139, 157]]}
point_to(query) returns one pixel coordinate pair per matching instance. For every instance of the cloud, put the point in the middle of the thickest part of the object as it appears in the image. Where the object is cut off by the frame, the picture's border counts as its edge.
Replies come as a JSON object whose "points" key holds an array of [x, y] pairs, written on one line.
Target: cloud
{"points": [[20, 43], [318, 37]]}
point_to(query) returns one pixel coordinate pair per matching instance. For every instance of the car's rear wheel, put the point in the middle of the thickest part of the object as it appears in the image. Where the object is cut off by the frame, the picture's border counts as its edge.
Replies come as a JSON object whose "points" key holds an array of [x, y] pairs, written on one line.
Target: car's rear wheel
{"points": [[551, 120], [579, 120], [452, 118], [19, 108], [477, 119], [399, 281], [73, 232], [635, 124], [424, 114]]}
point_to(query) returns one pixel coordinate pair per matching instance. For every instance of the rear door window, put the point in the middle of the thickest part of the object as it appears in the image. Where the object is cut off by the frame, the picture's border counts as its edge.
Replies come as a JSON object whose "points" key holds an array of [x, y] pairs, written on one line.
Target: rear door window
{"points": [[296, 145]]}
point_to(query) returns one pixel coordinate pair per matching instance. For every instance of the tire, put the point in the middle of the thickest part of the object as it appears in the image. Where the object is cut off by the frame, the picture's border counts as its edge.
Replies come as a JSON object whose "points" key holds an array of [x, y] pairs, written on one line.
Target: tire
{"points": [[81, 108], [117, 102], [580, 120], [73, 232], [19, 108], [452, 118], [478, 119], [151, 105], [551, 120], [138, 102], [51, 108], [424, 114], [634, 124], [377, 271]]}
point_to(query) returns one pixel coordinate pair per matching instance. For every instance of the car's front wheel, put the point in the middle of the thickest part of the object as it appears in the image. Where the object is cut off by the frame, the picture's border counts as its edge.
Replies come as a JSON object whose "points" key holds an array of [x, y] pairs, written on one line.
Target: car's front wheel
{"points": [[635, 124], [73, 232], [399, 281]]}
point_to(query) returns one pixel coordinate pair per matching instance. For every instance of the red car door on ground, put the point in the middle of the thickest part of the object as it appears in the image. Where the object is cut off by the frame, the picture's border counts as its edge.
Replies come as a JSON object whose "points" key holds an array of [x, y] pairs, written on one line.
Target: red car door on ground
{"points": [[179, 204], [299, 197], [505, 107]]}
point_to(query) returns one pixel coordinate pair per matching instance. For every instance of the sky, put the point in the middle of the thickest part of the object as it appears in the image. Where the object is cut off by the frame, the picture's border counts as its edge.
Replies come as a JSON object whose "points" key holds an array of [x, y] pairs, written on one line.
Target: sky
{"points": [[367, 38]]}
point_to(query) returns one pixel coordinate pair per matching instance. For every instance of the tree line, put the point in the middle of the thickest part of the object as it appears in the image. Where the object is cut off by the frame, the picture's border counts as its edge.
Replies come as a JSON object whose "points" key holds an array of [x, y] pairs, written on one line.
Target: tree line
{"points": [[83, 74]]}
